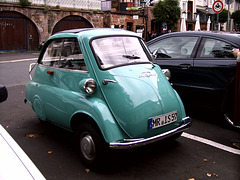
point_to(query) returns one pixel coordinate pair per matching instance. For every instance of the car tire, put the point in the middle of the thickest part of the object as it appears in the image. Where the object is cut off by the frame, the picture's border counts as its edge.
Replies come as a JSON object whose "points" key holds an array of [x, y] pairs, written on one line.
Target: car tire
{"points": [[90, 144], [227, 107]]}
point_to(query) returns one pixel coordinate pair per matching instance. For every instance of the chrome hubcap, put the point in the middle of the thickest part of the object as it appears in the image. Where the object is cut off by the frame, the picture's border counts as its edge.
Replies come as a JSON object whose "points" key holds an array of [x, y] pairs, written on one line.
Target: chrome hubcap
{"points": [[88, 147]]}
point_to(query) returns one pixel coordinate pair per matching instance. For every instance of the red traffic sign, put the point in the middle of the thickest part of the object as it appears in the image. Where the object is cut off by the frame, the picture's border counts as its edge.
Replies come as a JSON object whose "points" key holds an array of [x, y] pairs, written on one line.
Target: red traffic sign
{"points": [[217, 6]]}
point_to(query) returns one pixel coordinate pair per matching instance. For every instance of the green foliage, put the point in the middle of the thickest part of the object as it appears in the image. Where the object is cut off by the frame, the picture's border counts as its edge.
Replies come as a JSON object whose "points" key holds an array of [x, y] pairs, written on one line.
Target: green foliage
{"points": [[167, 11], [223, 16], [24, 3], [236, 16]]}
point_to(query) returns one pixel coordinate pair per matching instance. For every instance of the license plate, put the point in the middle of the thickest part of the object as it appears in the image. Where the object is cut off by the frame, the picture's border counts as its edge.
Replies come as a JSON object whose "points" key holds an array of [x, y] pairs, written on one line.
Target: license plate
{"points": [[162, 120]]}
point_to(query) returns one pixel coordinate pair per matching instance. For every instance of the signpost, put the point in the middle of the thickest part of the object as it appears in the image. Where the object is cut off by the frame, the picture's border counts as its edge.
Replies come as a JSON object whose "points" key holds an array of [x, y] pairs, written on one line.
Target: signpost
{"points": [[217, 8]]}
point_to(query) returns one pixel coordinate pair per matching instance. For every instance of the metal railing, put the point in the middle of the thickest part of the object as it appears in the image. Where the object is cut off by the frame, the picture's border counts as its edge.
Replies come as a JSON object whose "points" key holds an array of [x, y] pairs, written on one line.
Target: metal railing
{"points": [[78, 4]]}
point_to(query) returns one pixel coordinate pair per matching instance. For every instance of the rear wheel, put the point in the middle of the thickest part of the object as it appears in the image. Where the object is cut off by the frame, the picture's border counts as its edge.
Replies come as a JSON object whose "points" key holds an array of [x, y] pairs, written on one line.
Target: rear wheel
{"points": [[90, 144]]}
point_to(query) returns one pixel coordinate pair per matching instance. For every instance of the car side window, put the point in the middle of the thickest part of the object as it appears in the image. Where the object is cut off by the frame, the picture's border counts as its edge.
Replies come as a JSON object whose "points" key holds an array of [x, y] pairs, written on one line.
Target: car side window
{"points": [[213, 48], [174, 47], [64, 53]]}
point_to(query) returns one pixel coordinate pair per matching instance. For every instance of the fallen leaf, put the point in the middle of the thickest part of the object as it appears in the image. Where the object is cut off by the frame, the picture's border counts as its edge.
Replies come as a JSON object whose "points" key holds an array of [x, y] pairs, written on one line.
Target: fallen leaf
{"points": [[7, 126], [191, 179], [30, 135], [205, 160], [87, 170], [50, 152], [209, 175], [237, 144]]}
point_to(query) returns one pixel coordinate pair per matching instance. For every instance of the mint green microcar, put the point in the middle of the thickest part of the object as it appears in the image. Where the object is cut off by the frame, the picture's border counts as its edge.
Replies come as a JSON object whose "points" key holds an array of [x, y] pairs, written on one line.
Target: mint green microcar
{"points": [[102, 85]]}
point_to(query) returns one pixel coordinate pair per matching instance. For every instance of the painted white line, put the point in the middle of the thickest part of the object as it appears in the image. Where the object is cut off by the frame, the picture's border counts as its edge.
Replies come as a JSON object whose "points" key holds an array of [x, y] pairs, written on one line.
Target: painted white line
{"points": [[211, 143], [20, 60]]}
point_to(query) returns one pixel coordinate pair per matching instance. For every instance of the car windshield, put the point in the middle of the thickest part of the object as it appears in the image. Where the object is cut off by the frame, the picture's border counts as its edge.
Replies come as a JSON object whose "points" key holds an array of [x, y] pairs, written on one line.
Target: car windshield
{"points": [[119, 50]]}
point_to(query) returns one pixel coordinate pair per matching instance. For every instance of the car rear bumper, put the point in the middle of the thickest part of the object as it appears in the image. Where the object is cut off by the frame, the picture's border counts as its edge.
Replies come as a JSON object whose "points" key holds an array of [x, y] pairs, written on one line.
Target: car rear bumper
{"points": [[132, 143]]}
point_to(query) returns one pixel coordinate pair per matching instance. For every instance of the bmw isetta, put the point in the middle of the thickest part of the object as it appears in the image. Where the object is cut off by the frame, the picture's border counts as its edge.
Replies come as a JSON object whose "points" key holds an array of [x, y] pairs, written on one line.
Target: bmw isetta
{"points": [[102, 85]]}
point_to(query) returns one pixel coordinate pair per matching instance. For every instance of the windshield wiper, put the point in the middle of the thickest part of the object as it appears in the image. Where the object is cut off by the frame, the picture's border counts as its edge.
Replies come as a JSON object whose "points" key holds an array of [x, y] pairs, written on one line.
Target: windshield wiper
{"points": [[131, 57]]}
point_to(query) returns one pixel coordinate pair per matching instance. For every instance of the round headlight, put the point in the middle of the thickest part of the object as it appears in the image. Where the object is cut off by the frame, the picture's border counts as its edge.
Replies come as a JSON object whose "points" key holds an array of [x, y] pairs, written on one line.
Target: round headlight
{"points": [[90, 86]]}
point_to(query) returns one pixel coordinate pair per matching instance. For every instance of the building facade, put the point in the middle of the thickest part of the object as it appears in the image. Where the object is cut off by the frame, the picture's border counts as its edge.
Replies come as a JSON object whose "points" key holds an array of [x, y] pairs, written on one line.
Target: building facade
{"points": [[203, 8], [23, 28]]}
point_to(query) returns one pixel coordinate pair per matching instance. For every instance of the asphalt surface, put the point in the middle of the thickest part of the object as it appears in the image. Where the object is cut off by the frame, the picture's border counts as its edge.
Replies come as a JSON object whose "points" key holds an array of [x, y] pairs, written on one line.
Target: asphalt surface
{"points": [[52, 149], [18, 55]]}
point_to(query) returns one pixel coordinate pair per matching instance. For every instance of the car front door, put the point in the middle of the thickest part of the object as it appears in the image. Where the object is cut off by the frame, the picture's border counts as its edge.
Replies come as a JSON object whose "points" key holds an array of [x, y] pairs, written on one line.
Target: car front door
{"points": [[214, 68], [134, 89], [176, 54]]}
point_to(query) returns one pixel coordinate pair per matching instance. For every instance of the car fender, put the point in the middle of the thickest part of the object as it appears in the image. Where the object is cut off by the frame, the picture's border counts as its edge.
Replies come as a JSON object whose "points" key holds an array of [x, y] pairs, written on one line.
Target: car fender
{"points": [[102, 117], [34, 100], [180, 104]]}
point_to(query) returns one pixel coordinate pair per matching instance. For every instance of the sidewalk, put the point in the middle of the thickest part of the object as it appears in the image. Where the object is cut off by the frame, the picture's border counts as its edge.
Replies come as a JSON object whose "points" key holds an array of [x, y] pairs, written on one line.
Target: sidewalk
{"points": [[18, 55]]}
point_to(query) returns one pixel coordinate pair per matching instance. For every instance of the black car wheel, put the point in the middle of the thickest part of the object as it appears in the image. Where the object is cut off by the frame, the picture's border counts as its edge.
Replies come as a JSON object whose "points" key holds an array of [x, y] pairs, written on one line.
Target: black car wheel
{"points": [[230, 120], [90, 144]]}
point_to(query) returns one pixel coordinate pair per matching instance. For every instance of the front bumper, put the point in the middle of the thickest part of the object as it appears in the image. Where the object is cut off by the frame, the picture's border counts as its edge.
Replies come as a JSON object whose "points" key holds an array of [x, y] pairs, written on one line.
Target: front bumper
{"points": [[132, 143]]}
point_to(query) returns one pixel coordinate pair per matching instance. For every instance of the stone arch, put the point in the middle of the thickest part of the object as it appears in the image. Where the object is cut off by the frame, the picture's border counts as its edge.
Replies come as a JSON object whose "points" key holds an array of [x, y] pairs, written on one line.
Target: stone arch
{"points": [[71, 22], [17, 32]]}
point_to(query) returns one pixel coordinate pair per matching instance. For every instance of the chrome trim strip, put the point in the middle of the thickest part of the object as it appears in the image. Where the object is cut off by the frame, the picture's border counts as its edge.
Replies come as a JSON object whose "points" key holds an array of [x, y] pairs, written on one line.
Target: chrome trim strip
{"points": [[230, 121], [132, 143]]}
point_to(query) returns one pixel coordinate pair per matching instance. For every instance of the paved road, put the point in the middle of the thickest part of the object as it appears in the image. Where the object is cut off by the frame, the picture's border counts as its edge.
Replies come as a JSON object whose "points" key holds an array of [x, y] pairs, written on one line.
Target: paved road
{"points": [[14, 67], [209, 154]]}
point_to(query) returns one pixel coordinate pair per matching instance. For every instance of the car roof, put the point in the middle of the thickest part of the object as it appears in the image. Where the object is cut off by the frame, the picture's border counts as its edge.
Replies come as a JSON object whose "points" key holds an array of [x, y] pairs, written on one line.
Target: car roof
{"points": [[93, 32], [233, 37]]}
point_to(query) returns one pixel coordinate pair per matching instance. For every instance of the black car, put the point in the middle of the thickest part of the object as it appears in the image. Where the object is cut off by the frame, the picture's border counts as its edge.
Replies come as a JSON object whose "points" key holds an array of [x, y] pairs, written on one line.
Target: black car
{"points": [[202, 66]]}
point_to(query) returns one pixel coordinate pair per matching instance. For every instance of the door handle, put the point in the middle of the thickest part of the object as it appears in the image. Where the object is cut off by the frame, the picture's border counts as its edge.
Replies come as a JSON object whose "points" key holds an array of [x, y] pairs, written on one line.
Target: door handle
{"points": [[185, 66], [50, 72], [106, 81]]}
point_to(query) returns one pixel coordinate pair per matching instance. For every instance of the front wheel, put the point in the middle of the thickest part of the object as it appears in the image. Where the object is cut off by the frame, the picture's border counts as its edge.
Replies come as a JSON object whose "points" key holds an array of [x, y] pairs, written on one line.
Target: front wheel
{"points": [[90, 144], [229, 119]]}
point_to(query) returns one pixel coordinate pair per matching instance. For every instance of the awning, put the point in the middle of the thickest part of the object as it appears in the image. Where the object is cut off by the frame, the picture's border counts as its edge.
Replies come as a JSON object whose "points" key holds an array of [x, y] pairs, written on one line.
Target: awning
{"points": [[134, 8], [208, 11]]}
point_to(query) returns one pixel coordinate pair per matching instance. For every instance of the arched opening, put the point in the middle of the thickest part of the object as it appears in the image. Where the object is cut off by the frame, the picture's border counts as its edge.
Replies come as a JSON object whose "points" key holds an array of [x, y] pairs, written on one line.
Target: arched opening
{"points": [[17, 32], [71, 22]]}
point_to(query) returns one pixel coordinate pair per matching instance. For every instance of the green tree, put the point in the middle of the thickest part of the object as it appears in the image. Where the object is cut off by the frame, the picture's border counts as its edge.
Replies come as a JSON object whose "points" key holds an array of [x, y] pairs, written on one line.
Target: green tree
{"points": [[167, 11], [223, 16], [24, 3], [236, 16]]}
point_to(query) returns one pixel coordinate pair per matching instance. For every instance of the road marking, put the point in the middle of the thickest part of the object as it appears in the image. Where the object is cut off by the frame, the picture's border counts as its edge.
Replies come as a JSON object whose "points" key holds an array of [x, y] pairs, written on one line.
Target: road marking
{"points": [[211, 143], [20, 60]]}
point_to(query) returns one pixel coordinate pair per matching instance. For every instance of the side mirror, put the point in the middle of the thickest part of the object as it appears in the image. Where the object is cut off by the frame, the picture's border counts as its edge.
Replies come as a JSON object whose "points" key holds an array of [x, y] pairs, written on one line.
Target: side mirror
{"points": [[167, 73], [3, 93], [155, 53], [31, 67]]}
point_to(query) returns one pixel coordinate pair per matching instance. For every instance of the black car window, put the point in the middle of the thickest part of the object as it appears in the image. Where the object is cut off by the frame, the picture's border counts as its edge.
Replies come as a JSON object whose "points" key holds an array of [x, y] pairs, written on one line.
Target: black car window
{"points": [[174, 47], [213, 48], [64, 53]]}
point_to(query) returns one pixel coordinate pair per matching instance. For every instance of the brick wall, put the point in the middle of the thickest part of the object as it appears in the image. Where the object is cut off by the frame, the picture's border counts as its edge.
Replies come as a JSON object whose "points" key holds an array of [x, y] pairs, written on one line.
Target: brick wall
{"points": [[46, 19]]}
